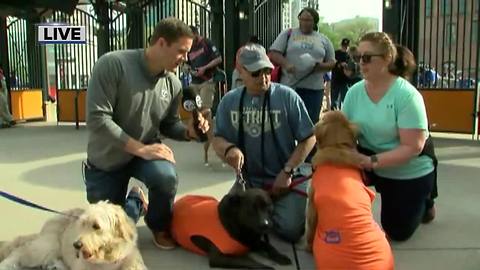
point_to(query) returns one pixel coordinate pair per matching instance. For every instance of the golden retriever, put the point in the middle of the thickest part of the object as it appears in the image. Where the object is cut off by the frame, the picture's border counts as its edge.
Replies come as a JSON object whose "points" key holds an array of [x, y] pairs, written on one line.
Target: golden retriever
{"points": [[341, 230]]}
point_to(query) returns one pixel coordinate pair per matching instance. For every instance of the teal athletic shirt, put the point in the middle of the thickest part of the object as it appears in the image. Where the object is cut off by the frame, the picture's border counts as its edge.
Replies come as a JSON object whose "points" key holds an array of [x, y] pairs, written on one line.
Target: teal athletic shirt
{"points": [[402, 106]]}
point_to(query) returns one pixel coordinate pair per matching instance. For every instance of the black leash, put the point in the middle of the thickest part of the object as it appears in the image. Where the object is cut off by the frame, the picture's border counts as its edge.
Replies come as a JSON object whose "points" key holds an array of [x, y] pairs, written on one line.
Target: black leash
{"points": [[295, 256]]}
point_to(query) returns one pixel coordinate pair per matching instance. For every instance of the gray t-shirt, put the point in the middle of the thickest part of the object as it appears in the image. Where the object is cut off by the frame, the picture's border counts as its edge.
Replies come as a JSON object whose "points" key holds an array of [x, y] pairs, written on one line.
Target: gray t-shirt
{"points": [[124, 100], [290, 121], [317, 45]]}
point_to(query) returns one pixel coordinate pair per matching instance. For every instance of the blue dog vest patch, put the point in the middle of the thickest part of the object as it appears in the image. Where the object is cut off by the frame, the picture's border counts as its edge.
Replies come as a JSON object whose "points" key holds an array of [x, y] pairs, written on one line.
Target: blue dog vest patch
{"points": [[332, 237]]}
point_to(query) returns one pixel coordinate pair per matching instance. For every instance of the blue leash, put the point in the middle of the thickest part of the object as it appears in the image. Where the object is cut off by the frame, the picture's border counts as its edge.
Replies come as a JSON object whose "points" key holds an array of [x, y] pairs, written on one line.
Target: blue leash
{"points": [[30, 204]]}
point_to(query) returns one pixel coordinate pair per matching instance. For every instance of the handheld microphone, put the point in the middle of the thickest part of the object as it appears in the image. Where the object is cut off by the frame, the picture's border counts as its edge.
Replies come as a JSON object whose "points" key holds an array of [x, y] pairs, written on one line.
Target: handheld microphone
{"points": [[192, 102]]}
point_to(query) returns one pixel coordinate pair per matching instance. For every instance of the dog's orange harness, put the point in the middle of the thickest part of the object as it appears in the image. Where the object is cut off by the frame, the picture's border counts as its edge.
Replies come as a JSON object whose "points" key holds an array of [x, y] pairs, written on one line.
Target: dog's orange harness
{"points": [[198, 215], [347, 236]]}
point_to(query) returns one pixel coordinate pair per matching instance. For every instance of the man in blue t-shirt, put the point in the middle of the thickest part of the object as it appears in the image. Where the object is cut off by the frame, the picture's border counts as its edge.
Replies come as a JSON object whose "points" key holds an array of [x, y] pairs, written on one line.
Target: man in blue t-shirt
{"points": [[263, 131]]}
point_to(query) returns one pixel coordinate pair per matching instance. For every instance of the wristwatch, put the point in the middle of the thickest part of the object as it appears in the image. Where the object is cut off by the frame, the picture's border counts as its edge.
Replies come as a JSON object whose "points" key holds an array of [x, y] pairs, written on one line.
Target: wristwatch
{"points": [[374, 160], [288, 170]]}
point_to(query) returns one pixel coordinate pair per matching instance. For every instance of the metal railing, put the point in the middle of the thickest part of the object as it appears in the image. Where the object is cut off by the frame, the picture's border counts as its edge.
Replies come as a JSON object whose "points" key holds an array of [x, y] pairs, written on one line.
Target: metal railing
{"points": [[448, 44]]}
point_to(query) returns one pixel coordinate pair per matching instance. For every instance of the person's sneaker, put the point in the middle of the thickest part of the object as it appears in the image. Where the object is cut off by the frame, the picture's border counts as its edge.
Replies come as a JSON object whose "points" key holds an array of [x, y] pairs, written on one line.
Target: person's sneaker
{"points": [[429, 215], [162, 240], [137, 192]]}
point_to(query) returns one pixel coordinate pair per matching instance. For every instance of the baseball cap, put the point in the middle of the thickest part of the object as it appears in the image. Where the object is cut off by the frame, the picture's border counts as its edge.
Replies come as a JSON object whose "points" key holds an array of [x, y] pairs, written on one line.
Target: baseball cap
{"points": [[254, 57]]}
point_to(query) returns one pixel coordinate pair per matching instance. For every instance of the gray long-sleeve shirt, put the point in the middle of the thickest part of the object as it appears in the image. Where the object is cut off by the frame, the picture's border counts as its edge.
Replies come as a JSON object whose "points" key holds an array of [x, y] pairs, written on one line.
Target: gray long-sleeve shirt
{"points": [[124, 100]]}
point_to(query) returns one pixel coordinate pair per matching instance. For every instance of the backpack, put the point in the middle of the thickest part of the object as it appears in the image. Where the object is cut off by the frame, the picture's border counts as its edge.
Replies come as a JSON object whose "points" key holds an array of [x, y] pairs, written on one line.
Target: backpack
{"points": [[276, 74]]}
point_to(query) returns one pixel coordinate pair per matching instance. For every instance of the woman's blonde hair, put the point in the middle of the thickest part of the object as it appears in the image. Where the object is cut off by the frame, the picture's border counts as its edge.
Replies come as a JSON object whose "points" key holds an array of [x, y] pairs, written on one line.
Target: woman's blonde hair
{"points": [[383, 43], [402, 61]]}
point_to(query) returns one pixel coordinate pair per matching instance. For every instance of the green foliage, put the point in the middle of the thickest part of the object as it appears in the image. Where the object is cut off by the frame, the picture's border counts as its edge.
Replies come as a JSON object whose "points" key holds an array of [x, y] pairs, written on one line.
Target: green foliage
{"points": [[352, 29]]}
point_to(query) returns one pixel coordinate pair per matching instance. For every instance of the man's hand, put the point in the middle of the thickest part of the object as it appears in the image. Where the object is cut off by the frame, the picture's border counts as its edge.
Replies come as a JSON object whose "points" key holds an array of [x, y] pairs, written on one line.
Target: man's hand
{"points": [[156, 151], [203, 125], [235, 159], [282, 183]]}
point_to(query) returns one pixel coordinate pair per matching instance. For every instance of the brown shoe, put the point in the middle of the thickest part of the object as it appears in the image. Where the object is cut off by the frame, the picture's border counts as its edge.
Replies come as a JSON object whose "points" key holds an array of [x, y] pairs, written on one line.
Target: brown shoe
{"points": [[429, 215], [163, 241]]}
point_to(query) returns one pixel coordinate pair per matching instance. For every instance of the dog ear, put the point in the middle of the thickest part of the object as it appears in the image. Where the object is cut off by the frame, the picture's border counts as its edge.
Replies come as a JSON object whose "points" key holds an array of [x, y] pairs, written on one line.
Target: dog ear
{"points": [[232, 199], [124, 225]]}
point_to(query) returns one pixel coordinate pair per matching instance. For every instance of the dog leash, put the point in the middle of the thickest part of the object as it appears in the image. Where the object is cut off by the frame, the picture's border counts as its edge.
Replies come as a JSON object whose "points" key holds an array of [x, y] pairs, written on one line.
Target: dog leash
{"points": [[295, 182], [19, 200], [241, 181], [295, 256]]}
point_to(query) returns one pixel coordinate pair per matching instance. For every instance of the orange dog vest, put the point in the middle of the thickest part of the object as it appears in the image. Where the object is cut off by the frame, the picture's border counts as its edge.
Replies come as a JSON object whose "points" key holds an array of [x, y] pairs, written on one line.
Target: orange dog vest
{"points": [[198, 215], [347, 236]]}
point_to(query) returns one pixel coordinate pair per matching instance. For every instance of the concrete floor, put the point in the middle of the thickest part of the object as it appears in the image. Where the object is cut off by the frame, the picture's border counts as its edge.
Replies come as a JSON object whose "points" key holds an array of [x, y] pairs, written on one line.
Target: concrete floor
{"points": [[42, 163]]}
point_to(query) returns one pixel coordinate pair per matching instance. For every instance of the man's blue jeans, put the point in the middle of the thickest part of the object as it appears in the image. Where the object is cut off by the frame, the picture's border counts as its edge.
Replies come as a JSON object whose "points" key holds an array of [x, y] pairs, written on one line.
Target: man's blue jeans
{"points": [[313, 102], [159, 176]]}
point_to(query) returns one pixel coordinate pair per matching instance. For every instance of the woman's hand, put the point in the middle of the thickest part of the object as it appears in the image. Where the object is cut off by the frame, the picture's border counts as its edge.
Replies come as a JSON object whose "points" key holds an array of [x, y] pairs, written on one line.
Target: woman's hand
{"points": [[365, 162]]}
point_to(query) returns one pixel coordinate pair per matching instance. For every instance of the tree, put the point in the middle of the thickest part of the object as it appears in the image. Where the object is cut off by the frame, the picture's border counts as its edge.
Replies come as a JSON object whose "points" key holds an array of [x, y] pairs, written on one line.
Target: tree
{"points": [[352, 29]]}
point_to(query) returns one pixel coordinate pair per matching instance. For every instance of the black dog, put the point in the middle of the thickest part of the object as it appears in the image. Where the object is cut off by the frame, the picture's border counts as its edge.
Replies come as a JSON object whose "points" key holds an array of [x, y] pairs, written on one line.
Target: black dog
{"points": [[245, 216]]}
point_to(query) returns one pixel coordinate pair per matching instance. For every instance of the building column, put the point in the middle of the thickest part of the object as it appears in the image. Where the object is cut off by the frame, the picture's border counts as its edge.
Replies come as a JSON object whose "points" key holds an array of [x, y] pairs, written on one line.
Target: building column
{"points": [[135, 38], [103, 32]]}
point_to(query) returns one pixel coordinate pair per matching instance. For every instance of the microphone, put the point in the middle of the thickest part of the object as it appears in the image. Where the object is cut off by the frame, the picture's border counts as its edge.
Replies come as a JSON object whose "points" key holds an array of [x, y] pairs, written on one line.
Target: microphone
{"points": [[191, 102]]}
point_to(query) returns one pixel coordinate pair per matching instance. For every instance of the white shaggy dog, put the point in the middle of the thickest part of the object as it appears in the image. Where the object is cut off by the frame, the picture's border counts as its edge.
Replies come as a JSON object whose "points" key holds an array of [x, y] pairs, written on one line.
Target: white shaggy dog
{"points": [[101, 236]]}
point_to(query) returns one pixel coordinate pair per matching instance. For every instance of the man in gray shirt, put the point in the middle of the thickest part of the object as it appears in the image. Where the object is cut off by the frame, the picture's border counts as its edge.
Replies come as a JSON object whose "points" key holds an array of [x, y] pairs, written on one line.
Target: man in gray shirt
{"points": [[133, 98]]}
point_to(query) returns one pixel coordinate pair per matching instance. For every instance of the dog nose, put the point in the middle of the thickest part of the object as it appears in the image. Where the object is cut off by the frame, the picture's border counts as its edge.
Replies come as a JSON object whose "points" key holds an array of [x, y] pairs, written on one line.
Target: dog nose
{"points": [[77, 244]]}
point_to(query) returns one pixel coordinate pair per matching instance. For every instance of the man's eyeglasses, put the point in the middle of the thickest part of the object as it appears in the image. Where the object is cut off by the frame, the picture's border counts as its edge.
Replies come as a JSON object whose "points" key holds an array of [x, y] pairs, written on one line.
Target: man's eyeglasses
{"points": [[266, 71], [366, 58]]}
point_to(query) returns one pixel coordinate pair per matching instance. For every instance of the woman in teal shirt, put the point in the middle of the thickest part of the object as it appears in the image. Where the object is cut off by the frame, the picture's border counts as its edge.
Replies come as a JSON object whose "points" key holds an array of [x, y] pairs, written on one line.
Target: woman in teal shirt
{"points": [[392, 121]]}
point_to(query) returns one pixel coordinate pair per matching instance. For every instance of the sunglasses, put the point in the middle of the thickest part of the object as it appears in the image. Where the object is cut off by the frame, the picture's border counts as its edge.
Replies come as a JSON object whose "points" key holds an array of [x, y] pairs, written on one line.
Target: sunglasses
{"points": [[366, 58], [263, 71]]}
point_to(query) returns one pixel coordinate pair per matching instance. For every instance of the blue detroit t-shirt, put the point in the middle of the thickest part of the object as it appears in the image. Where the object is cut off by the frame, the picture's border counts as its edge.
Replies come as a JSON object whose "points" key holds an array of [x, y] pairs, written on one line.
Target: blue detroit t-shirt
{"points": [[290, 122]]}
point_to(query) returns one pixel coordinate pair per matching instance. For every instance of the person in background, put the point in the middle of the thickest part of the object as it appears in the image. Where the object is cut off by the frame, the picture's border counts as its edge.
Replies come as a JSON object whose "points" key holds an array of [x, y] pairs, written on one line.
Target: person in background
{"points": [[326, 104], [304, 59], [6, 119], [339, 84], [133, 99], [393, 132], [352, 69], [203, 60]]}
